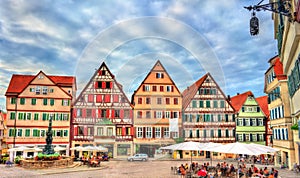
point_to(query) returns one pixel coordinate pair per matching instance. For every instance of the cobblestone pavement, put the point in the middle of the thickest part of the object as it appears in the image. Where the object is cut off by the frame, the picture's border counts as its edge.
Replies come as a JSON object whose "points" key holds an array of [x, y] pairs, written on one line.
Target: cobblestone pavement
{"points": [[116, 169]]}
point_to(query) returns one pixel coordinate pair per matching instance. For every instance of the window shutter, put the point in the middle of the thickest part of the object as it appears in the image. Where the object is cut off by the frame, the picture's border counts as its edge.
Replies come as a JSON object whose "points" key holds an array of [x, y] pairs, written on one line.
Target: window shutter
{"points": [[93, 113], [112, 113], [130, 114], [144, 132], [83, 112], [122, 113], [85, 131], [107, 113], [98, 98], [111, 85], [116, 98], [96, 84], [103, 85], [99, 113], [153, 132], [144, 88], [172, 89], [251, 137]]}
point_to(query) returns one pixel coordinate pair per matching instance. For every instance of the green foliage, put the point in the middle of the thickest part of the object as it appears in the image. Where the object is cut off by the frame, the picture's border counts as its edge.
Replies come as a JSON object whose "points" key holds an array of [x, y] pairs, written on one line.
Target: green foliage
{"points": [[49, 157], [295, 127], [17, 159]]}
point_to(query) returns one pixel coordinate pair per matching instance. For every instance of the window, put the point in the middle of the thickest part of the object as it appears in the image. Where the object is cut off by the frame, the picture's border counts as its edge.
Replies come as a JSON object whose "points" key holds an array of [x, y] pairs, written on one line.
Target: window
{"points": [[148, 132], [109, 131], [37, 90], [167, 114], [201, 104], [28, 116], [169, 88], [140, 100], [158, 101], [22, 101], [90, 98], [13, 100], [65, 102], [31, 89], [100, 131], [158, 114], [161, 88], [45, 101], [65, 133], [52, 102], [146, 87], [43, 133], [11, 132], [215, 104], [167, 100], [36, 133], [45, 90], [148, 114], [222, 104], [12, 115], [58, 133], [36, 116], [139, 132], [154, 88], [194, 103], [148, 100], [175, 100], [157, 132], [208, 103], [27, 132], [19, 132], [117, 113], [139, 114], [159, 75], [175, 114], [88, 113], [33, 101], [51, 90], [247, 122], [166, 132], [260, 122], [240, 122]]}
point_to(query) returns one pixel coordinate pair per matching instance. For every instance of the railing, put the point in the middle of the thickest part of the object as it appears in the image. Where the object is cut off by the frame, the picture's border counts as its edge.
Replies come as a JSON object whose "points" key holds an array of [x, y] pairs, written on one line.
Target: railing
{"points": [[83, 137], [124, 138]]}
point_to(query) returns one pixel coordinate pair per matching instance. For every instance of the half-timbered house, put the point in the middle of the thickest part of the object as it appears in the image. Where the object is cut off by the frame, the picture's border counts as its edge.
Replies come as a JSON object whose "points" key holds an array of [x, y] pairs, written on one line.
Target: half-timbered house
{"points": [[208, 116], [102, 115]]}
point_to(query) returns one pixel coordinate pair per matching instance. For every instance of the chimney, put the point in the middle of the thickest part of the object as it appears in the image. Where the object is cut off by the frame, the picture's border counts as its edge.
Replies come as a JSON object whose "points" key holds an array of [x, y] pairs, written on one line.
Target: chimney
{"points": [[237, 93], [228, 97]]}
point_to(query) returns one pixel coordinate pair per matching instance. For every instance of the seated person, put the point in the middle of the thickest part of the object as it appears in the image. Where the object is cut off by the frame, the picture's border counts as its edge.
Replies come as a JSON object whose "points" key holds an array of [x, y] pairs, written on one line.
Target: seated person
{"points": [[202, 172]]}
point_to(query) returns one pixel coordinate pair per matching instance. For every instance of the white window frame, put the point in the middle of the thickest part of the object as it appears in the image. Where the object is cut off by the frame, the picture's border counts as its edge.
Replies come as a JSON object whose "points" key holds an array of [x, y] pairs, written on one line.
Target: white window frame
{"points": [[168, 88], [38, 90], [110, 131], [100, 131], [159, 114], [139, 132], [45, 90], [148, 132], [147, 87], [166, 132], [167, 114], [157, 132]]}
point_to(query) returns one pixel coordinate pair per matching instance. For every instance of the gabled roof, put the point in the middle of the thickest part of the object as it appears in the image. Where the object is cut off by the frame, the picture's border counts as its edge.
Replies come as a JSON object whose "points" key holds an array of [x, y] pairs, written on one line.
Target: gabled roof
{"points": [[239, 100], [164, 70], [263, 103], [19, 82], [91, 80], [191, 91]]}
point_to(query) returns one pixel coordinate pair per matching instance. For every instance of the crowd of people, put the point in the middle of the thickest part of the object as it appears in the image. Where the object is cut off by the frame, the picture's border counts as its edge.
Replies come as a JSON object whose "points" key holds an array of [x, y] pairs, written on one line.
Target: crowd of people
{"points": [[224, 169]]}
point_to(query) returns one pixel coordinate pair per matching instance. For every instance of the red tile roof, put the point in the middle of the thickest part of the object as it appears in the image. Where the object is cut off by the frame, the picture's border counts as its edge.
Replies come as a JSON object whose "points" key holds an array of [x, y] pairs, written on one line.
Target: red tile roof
{"points": [[19, 82], [238, 100], [278, 69], [263, 103], [191, 91]]}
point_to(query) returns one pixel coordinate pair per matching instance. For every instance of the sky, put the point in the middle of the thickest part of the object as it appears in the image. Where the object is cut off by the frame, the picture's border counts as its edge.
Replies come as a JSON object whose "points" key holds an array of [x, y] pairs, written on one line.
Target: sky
{"points": [[189, 37]]}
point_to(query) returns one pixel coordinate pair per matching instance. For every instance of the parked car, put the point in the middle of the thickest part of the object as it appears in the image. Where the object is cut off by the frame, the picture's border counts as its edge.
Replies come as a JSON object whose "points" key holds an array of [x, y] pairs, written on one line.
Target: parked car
{"points": [[138, 157]]}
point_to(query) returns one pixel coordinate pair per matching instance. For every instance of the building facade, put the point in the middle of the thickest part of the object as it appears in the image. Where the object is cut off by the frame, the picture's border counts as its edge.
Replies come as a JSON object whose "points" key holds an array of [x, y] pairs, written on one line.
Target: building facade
{"points": [[208, 116], [280, 115], [250, 119], [2, 129], [31, 100], [157, 111], [287, 33], [102, 115]]}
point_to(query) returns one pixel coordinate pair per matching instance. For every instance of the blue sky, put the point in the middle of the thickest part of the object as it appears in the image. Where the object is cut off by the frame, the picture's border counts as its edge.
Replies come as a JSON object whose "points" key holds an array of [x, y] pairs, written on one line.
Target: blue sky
{"points": [[189, 37]]}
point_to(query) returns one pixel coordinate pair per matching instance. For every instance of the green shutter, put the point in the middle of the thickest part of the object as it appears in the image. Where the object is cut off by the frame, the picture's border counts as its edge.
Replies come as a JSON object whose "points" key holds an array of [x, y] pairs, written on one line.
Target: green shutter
{"points": [[28, 116], [33, 101], [194, 104], [51, 102], [22, 101], [36, 116], [215, 104], [27, 132], [12, 116], [201, 103], [222, 104], [207, 103]]}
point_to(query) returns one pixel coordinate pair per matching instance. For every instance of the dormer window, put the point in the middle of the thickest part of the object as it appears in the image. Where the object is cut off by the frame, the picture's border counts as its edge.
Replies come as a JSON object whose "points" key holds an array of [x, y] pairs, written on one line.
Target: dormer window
{"points": [[159, 75], [40, 76]]}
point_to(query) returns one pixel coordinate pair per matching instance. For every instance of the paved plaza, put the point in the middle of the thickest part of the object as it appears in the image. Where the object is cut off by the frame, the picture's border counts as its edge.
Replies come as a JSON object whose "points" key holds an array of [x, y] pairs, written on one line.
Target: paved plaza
{"points": [[116, 169]]}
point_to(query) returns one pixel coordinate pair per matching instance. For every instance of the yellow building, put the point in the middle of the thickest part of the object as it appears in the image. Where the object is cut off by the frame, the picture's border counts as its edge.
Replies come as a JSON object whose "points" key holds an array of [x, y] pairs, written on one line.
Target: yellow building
{"points": [[280, 117], [157, 111], [2, 130], [31, 100], [287, 32]]}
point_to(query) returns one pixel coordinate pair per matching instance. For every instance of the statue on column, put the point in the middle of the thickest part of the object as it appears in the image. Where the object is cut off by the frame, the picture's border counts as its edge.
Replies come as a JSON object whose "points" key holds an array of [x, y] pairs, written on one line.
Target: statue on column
{"points": [[48, 147]]}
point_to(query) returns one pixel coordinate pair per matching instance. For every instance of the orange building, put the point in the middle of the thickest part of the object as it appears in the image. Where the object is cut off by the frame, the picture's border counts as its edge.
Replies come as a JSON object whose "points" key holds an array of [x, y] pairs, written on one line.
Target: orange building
{"points": [[31, 100], [157, 111], [2, 130]]}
